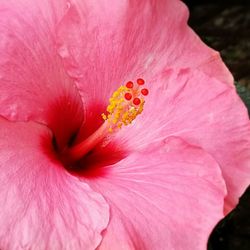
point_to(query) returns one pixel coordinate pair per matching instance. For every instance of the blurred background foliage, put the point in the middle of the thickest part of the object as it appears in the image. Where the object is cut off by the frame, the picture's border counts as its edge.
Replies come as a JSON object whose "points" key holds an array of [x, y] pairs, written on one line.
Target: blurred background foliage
{"points": [[225, 26]]}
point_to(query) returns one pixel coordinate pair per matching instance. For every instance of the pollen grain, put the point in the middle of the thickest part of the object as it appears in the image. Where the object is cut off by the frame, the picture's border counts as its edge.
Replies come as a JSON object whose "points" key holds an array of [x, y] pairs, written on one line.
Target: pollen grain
{"points": [[125, 104]]}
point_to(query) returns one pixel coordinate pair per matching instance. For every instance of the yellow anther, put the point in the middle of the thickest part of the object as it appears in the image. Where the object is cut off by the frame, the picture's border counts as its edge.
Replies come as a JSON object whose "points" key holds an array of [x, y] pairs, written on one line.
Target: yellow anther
{"points": [[125, 104], [104, 117]]}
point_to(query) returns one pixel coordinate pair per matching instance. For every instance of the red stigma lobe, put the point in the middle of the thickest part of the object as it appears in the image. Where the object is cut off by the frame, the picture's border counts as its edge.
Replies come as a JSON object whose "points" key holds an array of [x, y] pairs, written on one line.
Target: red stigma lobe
{"points": [[128, 96], [140, 81], [136, 101], [129, 85], [144, 91]]}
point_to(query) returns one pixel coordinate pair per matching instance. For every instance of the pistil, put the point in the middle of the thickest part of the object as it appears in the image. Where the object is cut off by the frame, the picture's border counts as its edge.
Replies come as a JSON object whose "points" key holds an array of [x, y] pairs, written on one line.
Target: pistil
{"points": [[76, 152], [125, 105]]}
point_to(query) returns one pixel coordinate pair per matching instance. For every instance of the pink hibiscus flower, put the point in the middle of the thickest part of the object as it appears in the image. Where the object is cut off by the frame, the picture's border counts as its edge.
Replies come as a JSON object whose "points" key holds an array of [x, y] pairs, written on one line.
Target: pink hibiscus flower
{"points": [[72, 180]]}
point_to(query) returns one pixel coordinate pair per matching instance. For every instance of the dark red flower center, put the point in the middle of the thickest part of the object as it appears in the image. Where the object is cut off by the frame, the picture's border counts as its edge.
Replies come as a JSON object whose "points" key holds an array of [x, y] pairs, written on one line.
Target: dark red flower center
{"points": [[87, 148]]}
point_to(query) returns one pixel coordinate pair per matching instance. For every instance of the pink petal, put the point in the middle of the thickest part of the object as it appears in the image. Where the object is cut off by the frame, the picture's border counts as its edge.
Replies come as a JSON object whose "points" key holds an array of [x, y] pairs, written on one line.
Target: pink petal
{"points": [[104, 45], [42, 206], [203, 111], [168, 197], [33, 83]]}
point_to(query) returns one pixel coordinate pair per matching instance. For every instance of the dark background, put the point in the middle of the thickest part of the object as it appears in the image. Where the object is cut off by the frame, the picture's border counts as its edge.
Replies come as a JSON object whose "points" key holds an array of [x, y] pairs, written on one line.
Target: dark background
{"points": [[225, 26]]}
